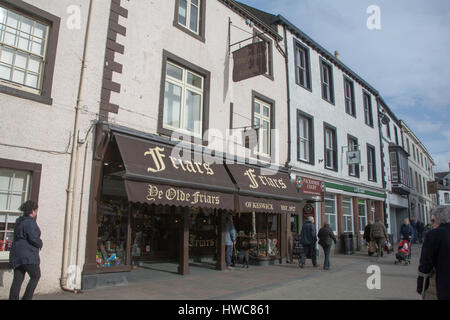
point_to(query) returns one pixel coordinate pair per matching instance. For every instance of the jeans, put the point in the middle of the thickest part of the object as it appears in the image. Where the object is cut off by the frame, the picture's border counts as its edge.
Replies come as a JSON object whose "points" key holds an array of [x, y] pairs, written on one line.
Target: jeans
{"points": [[228, 254], [326, 251], [34, 272], [306, 250]]}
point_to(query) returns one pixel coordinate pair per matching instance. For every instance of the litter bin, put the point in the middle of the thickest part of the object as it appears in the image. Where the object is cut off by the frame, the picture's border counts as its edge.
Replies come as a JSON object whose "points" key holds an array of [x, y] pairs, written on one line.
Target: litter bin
{"points": [[347, 243]]}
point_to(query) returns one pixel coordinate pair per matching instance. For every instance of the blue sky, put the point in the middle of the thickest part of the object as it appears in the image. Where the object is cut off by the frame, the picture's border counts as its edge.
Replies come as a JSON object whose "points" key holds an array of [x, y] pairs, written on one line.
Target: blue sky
{"points": [[407, 60]]}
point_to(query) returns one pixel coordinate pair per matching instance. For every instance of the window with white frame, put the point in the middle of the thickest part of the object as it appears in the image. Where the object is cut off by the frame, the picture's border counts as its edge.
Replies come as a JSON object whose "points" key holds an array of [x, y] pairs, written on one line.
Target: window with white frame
{"points": [[305, 140], [368, 117], [23, 42], [349, 97], [183, 100], [353, 169], [330, 149], [326, 72], [447, 197], [302, 66], [362, 216], [189, 14], [330, 211], [261, 122], [347, 208], [371, 164], [14, 190]]}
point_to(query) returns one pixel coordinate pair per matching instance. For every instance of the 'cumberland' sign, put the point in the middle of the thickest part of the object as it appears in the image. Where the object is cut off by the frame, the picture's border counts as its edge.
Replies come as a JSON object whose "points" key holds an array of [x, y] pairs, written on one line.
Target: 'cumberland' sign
{"points": [[249, 61]]}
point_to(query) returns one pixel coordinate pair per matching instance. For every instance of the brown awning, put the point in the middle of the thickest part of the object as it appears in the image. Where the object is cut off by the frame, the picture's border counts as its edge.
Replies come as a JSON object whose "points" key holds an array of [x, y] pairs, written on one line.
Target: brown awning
{"points": [[160, 173], [264, 189]]}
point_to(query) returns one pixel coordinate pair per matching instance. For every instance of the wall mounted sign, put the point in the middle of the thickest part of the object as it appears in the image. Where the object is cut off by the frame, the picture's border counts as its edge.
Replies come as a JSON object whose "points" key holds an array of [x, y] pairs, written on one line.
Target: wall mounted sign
{"points": [[310, 186]]}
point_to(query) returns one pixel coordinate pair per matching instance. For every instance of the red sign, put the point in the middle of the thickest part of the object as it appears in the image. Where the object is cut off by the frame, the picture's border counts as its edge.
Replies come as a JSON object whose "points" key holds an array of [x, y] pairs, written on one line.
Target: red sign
{"points": [[310, 186]]}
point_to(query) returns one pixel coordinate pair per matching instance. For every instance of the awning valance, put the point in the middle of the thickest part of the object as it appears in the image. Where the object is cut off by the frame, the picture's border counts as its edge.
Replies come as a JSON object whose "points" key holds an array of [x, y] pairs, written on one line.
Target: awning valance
{"points": [[173, 175]]}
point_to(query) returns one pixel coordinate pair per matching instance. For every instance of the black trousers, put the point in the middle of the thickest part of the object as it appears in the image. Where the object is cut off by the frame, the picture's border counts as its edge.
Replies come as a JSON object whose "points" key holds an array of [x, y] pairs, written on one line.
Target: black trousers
{"points": [[34, 272]]}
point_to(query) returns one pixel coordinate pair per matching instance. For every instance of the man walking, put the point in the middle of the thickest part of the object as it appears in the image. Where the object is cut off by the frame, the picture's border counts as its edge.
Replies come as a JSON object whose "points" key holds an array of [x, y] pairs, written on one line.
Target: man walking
{"points": [[436, 254], [379, 235], [230, 240], [325, 236], [308, 239]]}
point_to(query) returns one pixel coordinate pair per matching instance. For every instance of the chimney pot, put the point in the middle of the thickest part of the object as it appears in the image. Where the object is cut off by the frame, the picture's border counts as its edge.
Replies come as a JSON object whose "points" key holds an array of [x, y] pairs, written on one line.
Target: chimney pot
{"points": [[336, 54]]}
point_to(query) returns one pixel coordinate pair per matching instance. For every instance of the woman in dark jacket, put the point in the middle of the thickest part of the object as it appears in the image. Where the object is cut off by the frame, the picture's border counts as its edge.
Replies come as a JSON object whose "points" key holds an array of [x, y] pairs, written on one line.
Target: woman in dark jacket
{"points": [[24, 254], [325, 236]]}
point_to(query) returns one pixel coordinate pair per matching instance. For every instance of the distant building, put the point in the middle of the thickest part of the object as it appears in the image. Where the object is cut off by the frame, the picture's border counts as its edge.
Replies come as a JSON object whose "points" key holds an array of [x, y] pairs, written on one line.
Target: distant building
{"points": [[443, 188]]}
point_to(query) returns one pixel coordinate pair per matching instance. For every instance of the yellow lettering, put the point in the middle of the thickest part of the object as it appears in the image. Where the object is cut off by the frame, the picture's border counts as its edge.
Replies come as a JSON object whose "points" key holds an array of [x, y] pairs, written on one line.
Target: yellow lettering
{"points": [[208, 169], [173, 162], [190, 167], [157, 157], [283, 186], [182, 165], [197, 164]]}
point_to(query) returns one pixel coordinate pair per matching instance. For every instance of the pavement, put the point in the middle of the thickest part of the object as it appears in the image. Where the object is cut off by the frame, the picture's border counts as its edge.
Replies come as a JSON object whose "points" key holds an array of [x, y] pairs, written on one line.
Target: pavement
{"points": [[346, 280]]}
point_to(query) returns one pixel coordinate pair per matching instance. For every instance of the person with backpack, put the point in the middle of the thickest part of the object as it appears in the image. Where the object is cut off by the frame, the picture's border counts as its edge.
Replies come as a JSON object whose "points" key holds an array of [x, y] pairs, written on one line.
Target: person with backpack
{"points": [[379, 235], [326, 236]]}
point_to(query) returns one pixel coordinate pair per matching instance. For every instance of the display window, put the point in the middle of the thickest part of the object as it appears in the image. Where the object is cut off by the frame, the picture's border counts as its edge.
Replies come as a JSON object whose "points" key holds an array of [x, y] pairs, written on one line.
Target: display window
{"points": [[112, 234], [203, 235], [258, 233]]}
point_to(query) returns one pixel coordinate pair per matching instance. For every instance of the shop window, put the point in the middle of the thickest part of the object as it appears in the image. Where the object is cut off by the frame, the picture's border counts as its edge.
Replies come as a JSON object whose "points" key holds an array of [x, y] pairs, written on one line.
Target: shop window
{"points": [[258, 233], [203, 235], [14, 190], [347, 208], [27, 46], [112, 234], [331, 212]]}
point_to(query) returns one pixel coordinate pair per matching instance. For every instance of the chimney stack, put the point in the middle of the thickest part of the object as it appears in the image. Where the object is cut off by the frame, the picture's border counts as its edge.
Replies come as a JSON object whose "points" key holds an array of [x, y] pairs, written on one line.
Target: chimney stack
{"points": [[336, 54]]}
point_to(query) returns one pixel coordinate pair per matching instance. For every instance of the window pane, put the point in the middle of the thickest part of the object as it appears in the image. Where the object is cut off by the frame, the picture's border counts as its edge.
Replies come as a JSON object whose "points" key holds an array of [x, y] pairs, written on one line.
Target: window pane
{"points": [[2, 15], [194, 16], [174, 72], [10, 37], [34, 65], [20, 181], [182, 12], [266, 137], [24, 42], [32, 81], [172, 105], [194, 80], [257, 107], [18, 76], [3, 201], [7, 55], [15, 201], [37, 47], [256, 122], [5, 179], [266, 111], [5, 72], [39, 30], [13, 20], [193, 112], [195, 2], [21, 60], [27, 25]]}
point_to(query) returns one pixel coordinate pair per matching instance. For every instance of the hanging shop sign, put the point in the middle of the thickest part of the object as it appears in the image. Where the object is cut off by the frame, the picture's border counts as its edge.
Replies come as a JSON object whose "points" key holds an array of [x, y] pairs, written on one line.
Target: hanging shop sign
{"points": [[250, 61], [310, 186]]}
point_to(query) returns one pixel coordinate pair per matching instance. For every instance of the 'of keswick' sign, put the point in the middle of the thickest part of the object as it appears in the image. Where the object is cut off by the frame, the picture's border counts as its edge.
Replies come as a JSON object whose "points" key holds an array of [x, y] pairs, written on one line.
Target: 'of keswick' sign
{"points": [[249, 61]]}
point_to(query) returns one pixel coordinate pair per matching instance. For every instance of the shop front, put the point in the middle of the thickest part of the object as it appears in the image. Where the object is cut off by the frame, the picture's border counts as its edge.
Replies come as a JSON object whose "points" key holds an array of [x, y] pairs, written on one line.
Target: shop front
{"points": [[265, 199], [349, 209], [154, 201]]}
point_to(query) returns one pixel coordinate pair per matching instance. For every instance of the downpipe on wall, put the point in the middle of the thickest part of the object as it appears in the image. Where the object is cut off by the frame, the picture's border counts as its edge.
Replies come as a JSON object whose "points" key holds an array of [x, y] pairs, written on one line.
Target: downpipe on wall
{"points": [[72, 179]]}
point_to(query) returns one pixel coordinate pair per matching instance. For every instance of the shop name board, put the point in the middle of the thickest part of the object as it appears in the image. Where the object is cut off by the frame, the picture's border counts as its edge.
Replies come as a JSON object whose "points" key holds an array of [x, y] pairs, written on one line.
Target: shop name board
{"points": [[264, 180], [157, 156], [175, 194], [258, 205], [310, 186]]}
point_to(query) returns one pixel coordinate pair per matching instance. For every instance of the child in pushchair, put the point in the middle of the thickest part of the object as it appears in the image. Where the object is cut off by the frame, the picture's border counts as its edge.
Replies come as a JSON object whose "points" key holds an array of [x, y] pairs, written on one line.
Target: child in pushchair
{"points": [[402, 254]]}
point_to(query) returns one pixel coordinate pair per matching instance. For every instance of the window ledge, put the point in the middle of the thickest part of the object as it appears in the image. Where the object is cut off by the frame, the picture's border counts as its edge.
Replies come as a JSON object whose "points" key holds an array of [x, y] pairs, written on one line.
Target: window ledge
{"points": [[25, 95]]}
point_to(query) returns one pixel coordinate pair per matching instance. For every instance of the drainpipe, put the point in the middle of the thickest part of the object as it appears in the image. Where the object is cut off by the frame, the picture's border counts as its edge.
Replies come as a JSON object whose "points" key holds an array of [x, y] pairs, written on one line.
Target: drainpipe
{"points": [[72, 183], [288, 222]]}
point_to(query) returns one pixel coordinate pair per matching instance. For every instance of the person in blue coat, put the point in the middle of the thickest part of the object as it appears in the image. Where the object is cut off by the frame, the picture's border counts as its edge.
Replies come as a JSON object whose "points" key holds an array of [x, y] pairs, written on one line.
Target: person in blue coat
{"points": [[436, 255], [24, 254], [308, 239]]}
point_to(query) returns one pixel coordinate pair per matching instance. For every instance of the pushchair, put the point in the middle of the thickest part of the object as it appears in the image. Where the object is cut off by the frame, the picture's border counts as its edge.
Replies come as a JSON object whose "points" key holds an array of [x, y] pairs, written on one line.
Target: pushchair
{"points": [[402, 254]]}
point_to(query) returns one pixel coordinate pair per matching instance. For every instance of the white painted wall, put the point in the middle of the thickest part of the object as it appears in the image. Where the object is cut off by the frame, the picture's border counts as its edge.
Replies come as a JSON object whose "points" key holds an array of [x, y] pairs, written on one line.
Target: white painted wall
{"points": [[150, 30], [27, 123], [322, 111]]}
